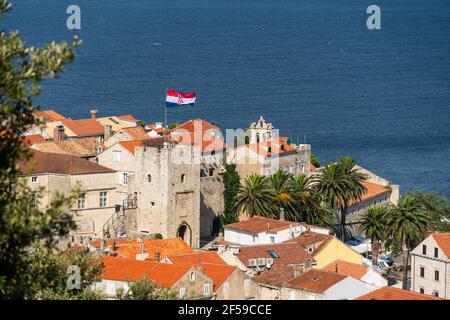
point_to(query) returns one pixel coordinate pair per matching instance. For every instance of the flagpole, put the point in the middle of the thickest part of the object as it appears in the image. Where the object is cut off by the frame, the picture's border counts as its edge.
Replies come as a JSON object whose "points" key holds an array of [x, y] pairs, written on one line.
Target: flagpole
{"points": [[165, 113]]}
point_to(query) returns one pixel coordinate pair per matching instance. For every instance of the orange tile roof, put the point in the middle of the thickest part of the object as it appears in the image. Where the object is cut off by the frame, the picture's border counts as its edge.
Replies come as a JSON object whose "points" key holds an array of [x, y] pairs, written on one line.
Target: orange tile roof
{"points": [[276, 276], [131, 145], [373, 190], [49, 115], [443, 241], [199, 132], [312, 168], [268, 148], [128, 117], [43, 162], [353, 270], [391, 293], [217, 272], [288, 253], [153, 127], [35, 138], [84, 127], [137, 133], [197, 258], [308, 238], [258, 224], [163, 274], [129, 247], [315, 281]]}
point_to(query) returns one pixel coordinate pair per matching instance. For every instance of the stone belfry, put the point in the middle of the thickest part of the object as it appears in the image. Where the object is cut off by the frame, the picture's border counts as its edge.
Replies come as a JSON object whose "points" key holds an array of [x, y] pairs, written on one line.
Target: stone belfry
{"points": [[260, 131]]}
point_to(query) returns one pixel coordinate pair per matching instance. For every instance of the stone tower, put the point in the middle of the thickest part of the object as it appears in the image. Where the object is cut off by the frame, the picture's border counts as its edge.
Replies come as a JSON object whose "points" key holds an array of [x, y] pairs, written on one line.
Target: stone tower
{"points": [[168, 191], [260, 131]]}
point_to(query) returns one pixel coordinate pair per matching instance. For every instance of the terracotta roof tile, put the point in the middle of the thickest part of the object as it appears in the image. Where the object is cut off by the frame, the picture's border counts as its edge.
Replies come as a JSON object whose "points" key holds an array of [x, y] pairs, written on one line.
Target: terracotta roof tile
{"points": [[353, 270], [199, 132], [269, 148], [443, 241], [322, 245], [276, 276], [49, 115], [129, 247], [35, 138], [259, 224], [131, 145], [84, 127], [288, 253], [78, 147], [197, 258], [217, 272], [43, 162], [373, 190], [137, 133], [315, 281], [163, 274], [128, 117], [391, 293], [309, 238]]}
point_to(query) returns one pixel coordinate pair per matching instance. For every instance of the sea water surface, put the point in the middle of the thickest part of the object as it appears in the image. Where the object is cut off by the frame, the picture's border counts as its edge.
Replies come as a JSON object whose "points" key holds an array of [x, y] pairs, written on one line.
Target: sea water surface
{"points": [[311, 67]]}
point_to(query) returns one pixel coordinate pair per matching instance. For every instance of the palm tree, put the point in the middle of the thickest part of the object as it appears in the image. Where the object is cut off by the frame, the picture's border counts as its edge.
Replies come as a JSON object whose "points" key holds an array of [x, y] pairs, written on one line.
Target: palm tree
{"points": [[308, 205], [340, 183], [407, 221], [373, 224], [255, 197], [279, 182]]}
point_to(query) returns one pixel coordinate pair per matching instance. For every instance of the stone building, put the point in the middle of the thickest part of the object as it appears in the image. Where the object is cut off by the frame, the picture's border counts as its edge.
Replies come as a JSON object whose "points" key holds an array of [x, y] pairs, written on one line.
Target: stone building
{"points": [[430, 266], [102, 192]]}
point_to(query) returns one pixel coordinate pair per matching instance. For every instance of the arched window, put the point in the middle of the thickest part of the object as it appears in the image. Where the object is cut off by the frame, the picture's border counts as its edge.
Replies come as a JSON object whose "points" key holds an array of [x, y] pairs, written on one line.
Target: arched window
{"points": [[257, 138], [149, 178], [183, 178]]}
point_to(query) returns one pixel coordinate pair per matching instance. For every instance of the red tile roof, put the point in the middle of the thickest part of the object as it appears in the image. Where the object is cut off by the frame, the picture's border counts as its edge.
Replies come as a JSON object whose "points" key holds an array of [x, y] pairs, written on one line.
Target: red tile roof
{"points": [[276, 276], [259, 224], [391, 293], [131, 145], [43, 162], [35, 138], [373, 190], [443, 241], [316, 281], [163, 274], [129, 247], [308, 238], [84, 127], [200, 132], [270, 148], [49, 115], [128, 117], [136, 133], [197, 258], [288, 253], [353, 270], [218, 273], [82, 147]]}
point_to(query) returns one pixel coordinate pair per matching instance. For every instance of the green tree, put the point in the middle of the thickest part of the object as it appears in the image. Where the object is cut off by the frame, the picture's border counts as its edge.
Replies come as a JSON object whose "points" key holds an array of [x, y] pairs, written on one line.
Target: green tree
{"points": [[315, 161], [145, 289], [308, 205], [373, 225], [340, 183], [231, 182], [256, 197], [407, 222], [437, 206], [50, 274], [279, 183], [21, 223]]}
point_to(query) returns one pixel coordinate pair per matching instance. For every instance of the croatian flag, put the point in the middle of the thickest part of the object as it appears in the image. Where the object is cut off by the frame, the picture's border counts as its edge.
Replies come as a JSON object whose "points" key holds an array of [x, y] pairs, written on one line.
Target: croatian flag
{"points": [[178, 99]]}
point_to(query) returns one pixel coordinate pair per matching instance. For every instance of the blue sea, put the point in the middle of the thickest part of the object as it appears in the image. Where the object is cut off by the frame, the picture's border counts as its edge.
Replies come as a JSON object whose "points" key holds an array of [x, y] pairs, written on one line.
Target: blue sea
{"points": [[311, 67]]}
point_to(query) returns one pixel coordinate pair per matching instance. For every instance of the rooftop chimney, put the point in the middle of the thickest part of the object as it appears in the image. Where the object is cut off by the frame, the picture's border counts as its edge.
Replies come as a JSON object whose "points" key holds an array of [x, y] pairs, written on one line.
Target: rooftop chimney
{"points": [[157, 256], [108, 131], [282, 214], [58, 132], [94, 113]]}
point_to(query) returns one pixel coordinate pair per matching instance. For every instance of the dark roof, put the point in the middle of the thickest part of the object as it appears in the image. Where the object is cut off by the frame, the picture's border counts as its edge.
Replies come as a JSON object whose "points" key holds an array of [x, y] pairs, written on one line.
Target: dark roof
{"points": [[276, 276], [315, 281], [43, 162]]}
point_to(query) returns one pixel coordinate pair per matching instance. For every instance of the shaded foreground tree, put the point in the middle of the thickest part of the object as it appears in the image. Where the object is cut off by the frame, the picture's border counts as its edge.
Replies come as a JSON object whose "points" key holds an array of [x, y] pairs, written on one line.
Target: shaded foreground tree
{"points": [[256, 197], [231, 182], [22, 225], [145, 289], [373, 225]]}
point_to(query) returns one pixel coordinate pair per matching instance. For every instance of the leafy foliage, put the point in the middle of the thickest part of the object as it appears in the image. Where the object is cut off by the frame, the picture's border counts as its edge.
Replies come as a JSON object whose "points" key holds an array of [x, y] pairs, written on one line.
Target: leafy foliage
{"points": [[22, 225], [231, 188], [315, 161], [145, 289]]}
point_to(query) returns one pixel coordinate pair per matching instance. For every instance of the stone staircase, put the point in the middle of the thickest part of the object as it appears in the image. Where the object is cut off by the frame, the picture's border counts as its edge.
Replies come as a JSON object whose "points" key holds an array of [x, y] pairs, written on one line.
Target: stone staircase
{"points": [[114, 227]]}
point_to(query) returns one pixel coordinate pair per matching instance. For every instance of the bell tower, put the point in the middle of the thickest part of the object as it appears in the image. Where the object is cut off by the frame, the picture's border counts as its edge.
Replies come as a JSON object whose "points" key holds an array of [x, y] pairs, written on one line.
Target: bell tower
{"points": [[260, 131]]}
